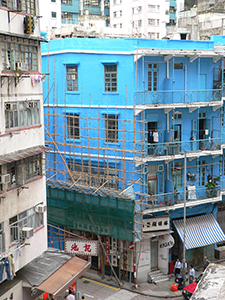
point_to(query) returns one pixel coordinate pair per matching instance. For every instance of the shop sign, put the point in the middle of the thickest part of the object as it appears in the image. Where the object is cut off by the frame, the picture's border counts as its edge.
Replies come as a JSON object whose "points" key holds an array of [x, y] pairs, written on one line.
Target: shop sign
{"points": [[82, 247], [166, 241], [154, 224]]}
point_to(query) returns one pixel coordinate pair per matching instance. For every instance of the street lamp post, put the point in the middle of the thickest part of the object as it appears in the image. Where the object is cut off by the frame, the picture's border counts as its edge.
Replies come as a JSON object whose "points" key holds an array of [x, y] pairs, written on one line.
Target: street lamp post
{"points": [[184, 235]]}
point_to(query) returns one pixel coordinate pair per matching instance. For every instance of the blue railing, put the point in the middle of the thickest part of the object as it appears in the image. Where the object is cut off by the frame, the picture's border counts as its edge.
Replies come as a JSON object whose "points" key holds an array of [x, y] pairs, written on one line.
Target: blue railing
{"points": [[170, 97], [169, 199], [174, 148]]}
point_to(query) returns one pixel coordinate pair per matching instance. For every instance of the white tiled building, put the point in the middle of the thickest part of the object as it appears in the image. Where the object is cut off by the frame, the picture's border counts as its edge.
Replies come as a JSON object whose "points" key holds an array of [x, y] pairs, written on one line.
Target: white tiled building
{"points": [[145, 18], [23, 222]]}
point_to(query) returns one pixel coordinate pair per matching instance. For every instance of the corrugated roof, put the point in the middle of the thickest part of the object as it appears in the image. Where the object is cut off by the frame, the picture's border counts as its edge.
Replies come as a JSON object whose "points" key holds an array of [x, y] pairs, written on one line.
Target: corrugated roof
{"points": [[17, 155], [88, 190]]}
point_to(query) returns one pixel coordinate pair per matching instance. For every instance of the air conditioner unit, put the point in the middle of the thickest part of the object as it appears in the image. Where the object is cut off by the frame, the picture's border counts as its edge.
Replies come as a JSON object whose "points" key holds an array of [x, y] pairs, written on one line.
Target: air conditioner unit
{"points": [[4, 178], [27, 232], [29, 104], [22, 66], [10, 106], [41, 208]]}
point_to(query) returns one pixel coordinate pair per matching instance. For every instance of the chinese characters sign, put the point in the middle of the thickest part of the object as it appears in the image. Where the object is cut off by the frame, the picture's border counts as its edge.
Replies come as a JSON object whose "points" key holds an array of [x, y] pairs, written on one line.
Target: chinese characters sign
{"points": [[83, 247], [153, 224]]}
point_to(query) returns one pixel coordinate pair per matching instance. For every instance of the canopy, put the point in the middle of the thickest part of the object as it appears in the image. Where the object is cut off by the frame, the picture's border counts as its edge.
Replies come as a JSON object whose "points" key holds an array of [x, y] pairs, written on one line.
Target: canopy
{"points": [[200, 231]]}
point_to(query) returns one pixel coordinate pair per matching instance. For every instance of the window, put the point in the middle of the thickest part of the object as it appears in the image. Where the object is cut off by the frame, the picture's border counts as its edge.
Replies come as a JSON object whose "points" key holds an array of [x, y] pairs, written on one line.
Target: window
{"points": [[139, 9], [152, 77], [66, 15], [53, 1], [121, 25], [24, 169], [92, 175], [21, 114], [139, 23], [151, 22], [19, 54], [28, 218], [157, 22], [157, 35], [178, 66], [132, 10], [177, 174], [110, 78], [114, 2], [114, 14], [91, 3], [73, 122], [111, 129], [114, 26], [177, 115], [72, 78], [68, 2], [151, 8], [53, 14], [151, 35], [121, 13], [26, 6], [201, 173]]}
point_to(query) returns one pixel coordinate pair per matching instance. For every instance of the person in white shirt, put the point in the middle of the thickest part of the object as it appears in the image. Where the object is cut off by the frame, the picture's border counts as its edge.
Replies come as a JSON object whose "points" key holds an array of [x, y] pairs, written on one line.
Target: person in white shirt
{"points": [[70, 296], [191, 274], [177, 266]]}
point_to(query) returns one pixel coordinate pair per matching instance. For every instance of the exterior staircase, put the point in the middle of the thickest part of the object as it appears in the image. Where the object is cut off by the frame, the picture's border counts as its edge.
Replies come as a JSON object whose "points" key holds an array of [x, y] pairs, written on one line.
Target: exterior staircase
{"points": [[157, 276]]}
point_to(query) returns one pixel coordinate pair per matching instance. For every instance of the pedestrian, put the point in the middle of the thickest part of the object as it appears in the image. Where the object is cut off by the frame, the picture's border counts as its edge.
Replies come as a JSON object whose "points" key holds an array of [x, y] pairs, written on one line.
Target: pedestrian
{"points": [[206, 263], [191, 274], [180, 280], [183, 267], [70, 296], [177, 266]]}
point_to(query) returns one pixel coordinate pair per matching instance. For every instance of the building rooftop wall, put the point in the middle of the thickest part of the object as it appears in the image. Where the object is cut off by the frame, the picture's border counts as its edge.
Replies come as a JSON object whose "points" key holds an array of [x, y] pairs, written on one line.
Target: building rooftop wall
{"points": [[125, 45]]}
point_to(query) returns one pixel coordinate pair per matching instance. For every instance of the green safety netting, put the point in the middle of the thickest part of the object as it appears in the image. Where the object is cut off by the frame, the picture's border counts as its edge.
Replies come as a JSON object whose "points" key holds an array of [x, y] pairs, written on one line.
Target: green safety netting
{"points": [[112, 216]]}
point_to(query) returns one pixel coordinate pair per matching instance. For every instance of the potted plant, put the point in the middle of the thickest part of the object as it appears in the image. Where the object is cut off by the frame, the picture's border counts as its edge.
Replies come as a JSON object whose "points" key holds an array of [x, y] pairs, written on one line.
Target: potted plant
{"points": [[211, 187]]}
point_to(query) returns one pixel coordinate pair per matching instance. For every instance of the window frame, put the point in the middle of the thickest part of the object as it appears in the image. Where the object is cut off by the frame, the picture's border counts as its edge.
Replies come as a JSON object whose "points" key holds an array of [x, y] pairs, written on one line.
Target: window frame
{"points": [[111, 129], [110, 78], [73, 82], [74, 130]]}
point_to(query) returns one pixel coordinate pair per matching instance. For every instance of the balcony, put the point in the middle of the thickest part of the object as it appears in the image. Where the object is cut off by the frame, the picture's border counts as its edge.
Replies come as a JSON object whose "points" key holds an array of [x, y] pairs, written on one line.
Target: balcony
{"points": [[178, 97], [201, 194], [178, 147]]}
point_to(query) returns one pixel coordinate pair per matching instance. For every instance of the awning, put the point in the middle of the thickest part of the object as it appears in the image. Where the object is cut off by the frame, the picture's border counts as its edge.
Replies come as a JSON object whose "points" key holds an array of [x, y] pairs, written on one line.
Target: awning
{"points": [[148, 235], [62, 279], [17, 155], [200, 231]]}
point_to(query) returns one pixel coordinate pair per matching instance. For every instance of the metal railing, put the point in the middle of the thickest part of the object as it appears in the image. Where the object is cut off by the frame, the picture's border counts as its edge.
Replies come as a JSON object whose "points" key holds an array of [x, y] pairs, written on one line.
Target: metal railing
{"points": [[170, 97], [168, 199]]}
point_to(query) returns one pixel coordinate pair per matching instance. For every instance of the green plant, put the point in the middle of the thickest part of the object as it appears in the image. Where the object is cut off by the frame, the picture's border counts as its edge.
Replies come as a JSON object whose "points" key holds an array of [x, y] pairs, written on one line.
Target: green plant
{"points": [[212, 184]]}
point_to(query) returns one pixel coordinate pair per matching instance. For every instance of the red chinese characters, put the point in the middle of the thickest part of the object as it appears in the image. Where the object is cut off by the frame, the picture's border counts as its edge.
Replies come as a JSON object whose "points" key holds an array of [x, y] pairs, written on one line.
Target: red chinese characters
{"points": [[74, 247], [87, 248]]}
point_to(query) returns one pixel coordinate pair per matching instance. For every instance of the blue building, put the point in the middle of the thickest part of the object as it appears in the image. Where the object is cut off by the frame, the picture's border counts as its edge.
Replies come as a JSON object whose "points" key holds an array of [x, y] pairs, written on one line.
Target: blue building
{"points": [[72, 9], [136, 131]]}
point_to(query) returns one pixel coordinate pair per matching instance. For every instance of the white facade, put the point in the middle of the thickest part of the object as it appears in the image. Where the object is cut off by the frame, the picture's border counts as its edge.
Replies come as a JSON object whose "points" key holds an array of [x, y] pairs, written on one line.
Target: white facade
{"points": [[50, 15], [144, 18], [23, 222]]}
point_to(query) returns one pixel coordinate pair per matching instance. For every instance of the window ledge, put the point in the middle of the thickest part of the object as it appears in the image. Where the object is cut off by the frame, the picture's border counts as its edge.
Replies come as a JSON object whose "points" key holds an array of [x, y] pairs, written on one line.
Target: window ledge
{"points": [[73, 92], [112, 144], [110, 93]]}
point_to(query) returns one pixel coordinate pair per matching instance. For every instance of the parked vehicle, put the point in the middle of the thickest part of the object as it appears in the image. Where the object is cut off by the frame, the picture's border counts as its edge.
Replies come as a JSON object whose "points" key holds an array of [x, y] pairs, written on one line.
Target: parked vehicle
{"points": [[189, 289]]}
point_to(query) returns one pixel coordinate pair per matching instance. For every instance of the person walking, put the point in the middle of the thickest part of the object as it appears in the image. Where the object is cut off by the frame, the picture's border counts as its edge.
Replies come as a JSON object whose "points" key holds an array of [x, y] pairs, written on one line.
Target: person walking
{"points": [[191, 274], [206, 263], [70, 296], [177, 266]]}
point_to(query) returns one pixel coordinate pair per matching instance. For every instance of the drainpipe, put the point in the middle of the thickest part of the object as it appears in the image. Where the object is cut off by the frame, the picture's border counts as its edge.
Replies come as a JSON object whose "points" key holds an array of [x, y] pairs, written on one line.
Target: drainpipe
{"points": [[185, 82]]}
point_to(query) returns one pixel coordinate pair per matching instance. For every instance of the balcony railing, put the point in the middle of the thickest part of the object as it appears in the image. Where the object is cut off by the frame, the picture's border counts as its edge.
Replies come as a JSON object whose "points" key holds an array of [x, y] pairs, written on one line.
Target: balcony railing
{"points": [[175, 148], [170, 97], [169, 199]]}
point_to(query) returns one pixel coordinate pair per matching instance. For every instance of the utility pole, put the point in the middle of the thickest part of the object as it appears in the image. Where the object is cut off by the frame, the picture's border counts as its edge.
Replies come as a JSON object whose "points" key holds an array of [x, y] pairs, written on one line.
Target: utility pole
{"points": [[184, 235]]}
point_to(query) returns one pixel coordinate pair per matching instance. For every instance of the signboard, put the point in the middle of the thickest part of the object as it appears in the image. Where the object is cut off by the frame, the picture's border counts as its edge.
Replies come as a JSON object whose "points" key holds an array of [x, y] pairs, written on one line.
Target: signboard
{"points": [[166, 241], [154, 224], [82, 247]]}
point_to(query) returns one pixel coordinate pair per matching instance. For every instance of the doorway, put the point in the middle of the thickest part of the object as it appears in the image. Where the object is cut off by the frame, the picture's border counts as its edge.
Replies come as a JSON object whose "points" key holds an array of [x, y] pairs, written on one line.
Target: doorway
{"points": [[154, 255], [201, 126], [152, 127]]}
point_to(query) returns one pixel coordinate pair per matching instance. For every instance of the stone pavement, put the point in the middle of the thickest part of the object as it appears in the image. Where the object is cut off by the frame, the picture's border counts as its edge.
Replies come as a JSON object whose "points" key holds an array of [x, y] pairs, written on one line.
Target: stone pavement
{"points": [[128, 291]]}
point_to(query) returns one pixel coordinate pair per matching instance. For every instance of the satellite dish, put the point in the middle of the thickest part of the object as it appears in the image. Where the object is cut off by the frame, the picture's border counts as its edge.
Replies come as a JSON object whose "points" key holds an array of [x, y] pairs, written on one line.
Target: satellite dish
{"points": [[33, 291]]}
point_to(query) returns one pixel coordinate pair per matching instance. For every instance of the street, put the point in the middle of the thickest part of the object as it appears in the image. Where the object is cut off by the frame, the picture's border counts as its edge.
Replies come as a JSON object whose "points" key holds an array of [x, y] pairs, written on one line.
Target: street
{"points": [[92, 289]]}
